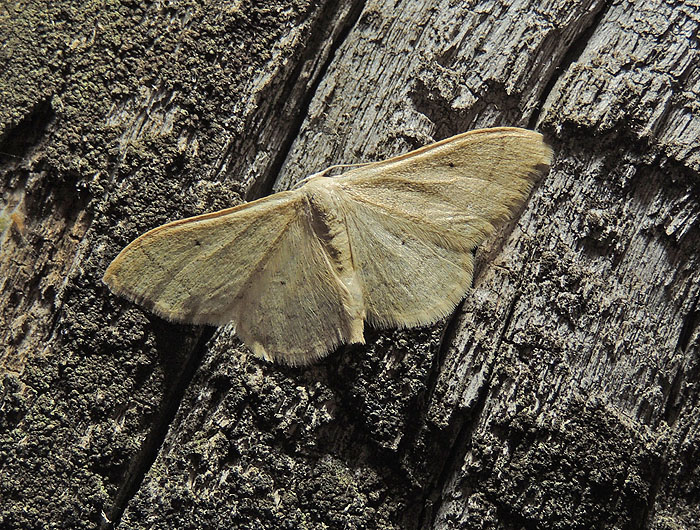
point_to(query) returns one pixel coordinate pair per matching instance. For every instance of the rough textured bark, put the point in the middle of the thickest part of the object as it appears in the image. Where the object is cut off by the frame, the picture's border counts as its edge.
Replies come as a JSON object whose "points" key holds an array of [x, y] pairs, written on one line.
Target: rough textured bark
{"points": [[563, 392]]}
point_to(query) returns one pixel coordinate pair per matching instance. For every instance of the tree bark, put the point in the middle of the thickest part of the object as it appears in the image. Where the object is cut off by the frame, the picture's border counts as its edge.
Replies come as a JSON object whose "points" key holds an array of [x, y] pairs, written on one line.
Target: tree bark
{"points": [[564, 392]]}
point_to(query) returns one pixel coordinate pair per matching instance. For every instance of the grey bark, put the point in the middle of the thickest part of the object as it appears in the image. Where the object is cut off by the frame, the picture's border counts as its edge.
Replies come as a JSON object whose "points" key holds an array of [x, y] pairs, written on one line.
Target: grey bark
{"points": [[562, 393]]}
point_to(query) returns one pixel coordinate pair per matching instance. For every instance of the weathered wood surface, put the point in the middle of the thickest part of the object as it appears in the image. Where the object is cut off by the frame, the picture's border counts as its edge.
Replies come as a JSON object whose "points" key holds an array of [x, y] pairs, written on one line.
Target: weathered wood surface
{"points": [[563, 393]]}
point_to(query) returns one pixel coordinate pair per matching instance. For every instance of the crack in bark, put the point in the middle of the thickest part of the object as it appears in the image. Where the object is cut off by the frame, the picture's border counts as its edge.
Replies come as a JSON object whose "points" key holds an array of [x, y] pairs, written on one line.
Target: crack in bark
{"points": [[446, 340], [673, 405], [264, 185], [690, 322], [465, 421], [143, 460], [572, 54], [22, 138]]}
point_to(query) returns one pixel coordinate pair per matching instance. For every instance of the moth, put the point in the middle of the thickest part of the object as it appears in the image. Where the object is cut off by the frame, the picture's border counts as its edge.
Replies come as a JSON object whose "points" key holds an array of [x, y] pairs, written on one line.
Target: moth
{"points": [[299, 272]]}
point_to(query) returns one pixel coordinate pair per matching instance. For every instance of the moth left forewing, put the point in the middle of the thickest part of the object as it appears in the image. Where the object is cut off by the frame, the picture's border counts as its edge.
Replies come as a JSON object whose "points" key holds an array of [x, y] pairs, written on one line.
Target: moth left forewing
{"points": [[194, 270]]}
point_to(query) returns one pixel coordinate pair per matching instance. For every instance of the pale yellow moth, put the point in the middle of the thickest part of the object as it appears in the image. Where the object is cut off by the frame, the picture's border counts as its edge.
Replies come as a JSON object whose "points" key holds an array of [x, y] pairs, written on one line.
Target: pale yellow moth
{"points": [[300, 271]]}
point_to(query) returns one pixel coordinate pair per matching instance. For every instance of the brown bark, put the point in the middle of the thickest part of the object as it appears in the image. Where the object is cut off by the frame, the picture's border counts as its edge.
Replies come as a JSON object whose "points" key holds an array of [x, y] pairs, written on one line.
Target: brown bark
{"points": [[563, 392]]}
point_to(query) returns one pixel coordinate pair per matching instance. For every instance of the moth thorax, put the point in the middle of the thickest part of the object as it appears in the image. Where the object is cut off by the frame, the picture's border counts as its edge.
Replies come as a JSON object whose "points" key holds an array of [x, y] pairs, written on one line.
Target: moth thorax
{"points": [[330, 229]]}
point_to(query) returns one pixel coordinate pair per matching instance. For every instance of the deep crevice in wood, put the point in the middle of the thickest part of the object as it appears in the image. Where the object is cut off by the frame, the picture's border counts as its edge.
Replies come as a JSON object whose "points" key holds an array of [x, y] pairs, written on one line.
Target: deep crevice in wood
{"points": [[143, 460], [690, 322], [464, 422], [264, 185], [17, 141], [446, 341], [572, 54]]}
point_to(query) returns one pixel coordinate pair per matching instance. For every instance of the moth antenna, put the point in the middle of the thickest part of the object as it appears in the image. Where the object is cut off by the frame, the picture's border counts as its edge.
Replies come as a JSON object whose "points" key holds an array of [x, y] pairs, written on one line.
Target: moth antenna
{"points": [[324, 172]]}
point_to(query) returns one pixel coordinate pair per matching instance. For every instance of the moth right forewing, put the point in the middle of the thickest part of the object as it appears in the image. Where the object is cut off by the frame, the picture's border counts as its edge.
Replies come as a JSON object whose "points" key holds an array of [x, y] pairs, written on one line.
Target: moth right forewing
{"points": [[415, 219], [466, 183], [478, 153]]}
